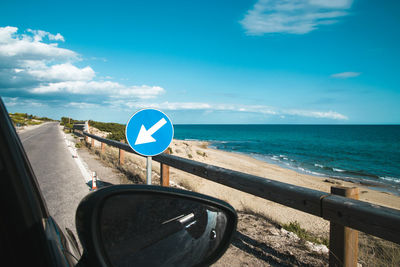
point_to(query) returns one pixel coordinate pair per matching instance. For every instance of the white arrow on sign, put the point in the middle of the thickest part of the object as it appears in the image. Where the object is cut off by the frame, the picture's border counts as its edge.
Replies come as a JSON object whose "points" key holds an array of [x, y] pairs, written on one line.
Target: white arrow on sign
{"points": [[145, 136]]}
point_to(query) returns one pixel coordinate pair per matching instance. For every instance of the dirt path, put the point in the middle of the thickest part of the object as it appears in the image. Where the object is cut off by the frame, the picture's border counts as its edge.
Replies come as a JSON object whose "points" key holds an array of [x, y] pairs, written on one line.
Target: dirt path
{"points": [[107, 174]]}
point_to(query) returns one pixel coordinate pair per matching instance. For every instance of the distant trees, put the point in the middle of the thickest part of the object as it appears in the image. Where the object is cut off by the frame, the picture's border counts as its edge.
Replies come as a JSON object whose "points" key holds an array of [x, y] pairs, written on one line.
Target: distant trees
{"points": [[116, 130], [22, 119], [67, 120]]}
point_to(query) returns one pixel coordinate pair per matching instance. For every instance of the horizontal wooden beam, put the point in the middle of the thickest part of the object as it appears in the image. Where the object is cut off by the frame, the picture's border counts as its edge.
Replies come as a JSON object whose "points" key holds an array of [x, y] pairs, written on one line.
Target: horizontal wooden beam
{"points": [[363, 216], [297, 197]]}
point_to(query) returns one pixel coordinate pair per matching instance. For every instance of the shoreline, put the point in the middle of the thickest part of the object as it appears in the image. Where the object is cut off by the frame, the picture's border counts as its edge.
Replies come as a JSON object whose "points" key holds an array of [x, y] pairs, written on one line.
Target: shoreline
{"points": [[200, 151], [380, 186]]}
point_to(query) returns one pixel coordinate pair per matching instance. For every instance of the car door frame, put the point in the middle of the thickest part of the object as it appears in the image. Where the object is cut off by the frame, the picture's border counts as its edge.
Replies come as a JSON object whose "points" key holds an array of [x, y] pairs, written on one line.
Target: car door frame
{"points": [[28, 232]]}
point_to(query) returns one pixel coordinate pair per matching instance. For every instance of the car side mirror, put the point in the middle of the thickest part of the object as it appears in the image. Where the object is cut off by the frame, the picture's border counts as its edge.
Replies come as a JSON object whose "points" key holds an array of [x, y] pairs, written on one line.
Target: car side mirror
{"points": [[127, 225]]}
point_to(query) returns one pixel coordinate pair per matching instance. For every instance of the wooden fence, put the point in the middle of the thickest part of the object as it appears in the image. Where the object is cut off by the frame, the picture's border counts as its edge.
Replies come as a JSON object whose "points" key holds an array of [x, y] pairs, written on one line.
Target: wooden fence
{"points": [[339, 207]]}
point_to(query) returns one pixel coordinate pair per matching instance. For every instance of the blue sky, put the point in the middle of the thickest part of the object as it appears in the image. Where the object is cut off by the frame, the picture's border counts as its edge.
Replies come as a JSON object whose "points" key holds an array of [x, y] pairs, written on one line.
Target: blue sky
{"points": [[266, 61]]}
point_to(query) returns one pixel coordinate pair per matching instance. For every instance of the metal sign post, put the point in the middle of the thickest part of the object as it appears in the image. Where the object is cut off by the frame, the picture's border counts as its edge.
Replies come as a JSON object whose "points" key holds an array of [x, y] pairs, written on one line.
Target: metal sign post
{"points": [[148, 177]]}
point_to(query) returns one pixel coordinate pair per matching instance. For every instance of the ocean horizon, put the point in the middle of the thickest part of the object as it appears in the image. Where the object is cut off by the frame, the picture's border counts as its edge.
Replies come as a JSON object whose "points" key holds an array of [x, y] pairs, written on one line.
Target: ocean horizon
{"points": [[368, 154]]}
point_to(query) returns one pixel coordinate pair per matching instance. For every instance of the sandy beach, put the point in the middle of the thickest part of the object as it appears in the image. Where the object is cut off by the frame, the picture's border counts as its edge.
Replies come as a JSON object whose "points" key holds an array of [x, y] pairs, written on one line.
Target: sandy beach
{"points": [[200, 151]]}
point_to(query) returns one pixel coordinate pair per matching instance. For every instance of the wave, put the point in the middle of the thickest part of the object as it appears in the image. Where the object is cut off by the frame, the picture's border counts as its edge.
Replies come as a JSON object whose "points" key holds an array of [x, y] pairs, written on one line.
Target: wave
{"points": [[362, 174], [276, 158], [359, 173], [335, 173], [338, 170], [390, 179], [316, 169], [310, 172]]}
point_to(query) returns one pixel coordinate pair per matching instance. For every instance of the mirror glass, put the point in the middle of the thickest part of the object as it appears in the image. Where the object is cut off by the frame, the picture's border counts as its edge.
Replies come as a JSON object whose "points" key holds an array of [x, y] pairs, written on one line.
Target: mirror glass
{"points": [[153, 230]]}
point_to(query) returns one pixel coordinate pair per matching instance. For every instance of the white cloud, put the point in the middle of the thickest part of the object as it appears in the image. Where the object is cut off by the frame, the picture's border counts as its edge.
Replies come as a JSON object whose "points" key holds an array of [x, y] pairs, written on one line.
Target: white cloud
{"points": [[316, 114], [6, 33], [82, 105], [105, 88], [38, 36], [37, 68], [260, 109], [142, 92], [10, 101], [28, 62], [201, 106], [18, 47], [74, 87], [62, 72], [16, 101], [345, 75], [332, 3], [294, 17]]}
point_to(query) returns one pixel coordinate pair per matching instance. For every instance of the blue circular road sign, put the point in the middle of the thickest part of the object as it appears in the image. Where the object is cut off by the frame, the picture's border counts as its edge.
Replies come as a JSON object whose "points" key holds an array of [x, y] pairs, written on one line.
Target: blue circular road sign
{"points": [[149, 132]]}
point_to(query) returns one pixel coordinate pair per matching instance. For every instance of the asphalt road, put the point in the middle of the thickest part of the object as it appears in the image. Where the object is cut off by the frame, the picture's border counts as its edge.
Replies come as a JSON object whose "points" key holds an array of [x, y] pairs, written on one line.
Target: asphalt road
{"points": [[59, 177]]}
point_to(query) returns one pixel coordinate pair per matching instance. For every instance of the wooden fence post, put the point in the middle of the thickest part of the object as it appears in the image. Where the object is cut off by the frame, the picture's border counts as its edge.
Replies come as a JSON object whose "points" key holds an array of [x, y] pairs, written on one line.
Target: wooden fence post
{"points": [[164, 173], [92, 144], [121, 155], [103, 147], [343, 241]]}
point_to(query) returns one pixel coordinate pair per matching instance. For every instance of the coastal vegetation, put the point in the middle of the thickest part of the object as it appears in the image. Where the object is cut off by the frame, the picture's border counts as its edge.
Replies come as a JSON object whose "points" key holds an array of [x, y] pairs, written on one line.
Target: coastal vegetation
{"points": [[24, 119], [116, 131], [68, 122], [302, 233]]}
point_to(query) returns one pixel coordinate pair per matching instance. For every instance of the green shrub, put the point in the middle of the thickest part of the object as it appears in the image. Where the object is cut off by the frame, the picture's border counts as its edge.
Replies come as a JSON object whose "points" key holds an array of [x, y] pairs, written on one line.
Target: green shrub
{"points": [[34, 122], [304, 234], [18, 120], [67, 120], [21, 115], [117, 136], [116, 130], [203, 154], [27, 119]]}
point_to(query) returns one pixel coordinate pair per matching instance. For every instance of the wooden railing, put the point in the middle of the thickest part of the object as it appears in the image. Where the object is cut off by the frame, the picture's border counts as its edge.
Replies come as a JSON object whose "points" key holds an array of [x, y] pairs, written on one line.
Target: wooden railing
{"points": [[372, 219]]}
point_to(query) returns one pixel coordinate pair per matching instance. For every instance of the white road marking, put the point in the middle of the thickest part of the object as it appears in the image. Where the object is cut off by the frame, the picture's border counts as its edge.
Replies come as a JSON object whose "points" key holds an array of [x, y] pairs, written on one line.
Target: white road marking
{"points": [[86, 173]]}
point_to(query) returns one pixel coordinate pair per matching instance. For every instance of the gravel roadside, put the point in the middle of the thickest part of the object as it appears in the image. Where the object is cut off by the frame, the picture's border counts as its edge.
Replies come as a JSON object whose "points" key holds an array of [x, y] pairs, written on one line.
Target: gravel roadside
{"points": [[106, 174]]}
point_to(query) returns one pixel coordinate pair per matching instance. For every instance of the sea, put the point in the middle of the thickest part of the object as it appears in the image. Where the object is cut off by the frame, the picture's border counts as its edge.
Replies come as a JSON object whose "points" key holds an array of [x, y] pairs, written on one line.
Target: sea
{"points": [[366, 154]]}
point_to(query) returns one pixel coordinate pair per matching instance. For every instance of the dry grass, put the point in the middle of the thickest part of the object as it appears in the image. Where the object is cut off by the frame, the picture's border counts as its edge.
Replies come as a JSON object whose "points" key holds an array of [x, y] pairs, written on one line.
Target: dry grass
{"points": [[204, 145], [201, 153], [374, 251], [186, 184], [247, 209]]}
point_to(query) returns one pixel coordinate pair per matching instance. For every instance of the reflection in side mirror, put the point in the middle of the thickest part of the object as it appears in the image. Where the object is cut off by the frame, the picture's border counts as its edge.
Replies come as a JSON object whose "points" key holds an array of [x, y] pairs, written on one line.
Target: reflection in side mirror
{"points": [[153, 226], [159, 230]]}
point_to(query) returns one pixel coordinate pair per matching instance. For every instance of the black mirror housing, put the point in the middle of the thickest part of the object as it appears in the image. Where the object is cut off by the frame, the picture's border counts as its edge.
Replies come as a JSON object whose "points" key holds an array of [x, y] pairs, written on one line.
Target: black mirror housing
{"points": [[127, 225]]}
